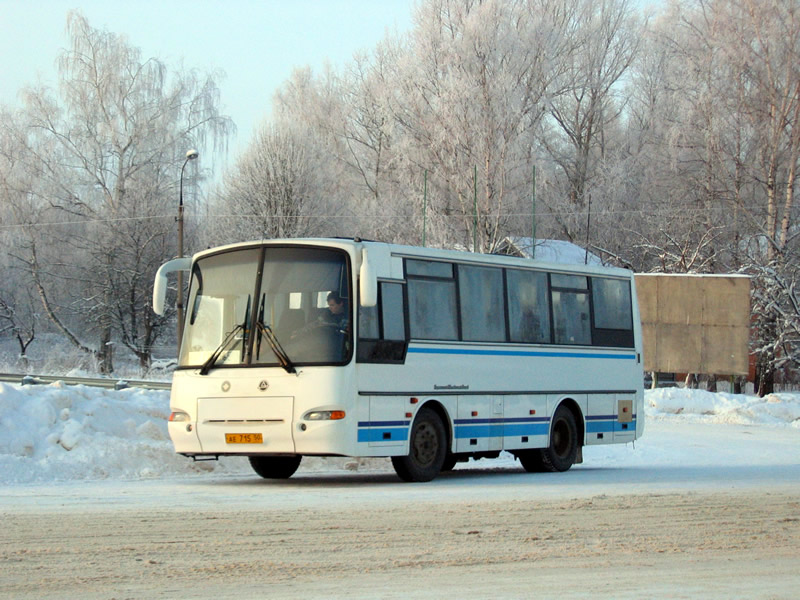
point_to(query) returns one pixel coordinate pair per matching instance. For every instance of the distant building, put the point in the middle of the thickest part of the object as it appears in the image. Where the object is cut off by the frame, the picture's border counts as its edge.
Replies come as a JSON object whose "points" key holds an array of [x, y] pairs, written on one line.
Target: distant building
{"points": [[554, 251]]}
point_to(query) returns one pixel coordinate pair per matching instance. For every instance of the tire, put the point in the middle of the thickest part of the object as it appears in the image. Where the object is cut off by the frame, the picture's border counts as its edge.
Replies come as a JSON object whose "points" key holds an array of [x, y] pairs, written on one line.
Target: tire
{"points": [[427, 448], [275, 467], [449, 462], [562, 452], [531, 460]]}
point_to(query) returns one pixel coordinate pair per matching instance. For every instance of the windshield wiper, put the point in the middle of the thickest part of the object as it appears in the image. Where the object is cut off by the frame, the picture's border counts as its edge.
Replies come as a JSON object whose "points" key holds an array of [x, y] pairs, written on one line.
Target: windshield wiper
{"points": [[277, 349], [207, 366]]}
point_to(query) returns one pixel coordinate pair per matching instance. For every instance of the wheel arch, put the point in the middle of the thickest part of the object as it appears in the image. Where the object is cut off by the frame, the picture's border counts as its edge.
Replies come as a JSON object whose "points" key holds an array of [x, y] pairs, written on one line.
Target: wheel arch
{"points": [[576, 411], [444, 415]]}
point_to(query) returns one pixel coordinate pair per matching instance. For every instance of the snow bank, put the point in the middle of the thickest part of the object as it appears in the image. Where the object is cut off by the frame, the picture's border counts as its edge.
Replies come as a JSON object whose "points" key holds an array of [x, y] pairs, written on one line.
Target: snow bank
{"points": [[708, 407], [57, 432], [60, 433]]}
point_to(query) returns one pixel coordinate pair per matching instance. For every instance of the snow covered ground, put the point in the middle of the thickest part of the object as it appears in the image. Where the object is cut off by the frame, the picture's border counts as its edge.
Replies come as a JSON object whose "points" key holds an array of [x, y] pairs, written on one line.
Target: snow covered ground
{"points": [[60, 433], [95, 504]]}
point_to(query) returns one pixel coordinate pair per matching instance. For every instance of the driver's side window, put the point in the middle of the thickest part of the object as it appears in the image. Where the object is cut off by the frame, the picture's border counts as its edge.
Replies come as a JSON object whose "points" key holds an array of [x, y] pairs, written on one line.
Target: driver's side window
{"points": [[382, 328]]}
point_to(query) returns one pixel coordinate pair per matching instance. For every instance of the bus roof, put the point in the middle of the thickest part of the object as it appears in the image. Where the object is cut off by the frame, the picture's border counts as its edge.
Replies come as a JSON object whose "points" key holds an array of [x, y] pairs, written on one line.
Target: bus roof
{"points": [[399, 250]]}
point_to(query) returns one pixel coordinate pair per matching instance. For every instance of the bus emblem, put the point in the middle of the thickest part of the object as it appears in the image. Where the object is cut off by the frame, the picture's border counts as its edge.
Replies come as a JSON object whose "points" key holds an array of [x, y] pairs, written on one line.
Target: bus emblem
{"points": [[263, 385]]}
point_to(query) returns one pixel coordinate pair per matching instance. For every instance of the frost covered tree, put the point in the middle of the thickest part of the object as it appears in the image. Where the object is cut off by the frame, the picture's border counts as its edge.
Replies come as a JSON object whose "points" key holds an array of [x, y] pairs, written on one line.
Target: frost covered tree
{"points": [[470, 99], [107, 146], [584, 113], [776, 322], [349, 132], [270, 192], [731, 147], [19, 317]]}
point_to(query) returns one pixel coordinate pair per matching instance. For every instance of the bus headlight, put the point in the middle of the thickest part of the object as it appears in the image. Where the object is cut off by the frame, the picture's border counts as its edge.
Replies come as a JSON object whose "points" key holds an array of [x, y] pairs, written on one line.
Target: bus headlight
{"points": [[324, 415], [179, 416]]}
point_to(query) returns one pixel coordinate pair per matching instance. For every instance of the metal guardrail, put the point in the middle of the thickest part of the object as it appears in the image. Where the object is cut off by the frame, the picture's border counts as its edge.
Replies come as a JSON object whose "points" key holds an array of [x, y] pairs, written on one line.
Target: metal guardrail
{"points": [[103, 382]]}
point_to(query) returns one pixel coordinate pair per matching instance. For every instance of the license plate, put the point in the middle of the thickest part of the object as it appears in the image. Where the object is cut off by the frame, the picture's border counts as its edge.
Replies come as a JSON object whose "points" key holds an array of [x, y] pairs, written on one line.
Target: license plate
{"points": [[244, 438]]}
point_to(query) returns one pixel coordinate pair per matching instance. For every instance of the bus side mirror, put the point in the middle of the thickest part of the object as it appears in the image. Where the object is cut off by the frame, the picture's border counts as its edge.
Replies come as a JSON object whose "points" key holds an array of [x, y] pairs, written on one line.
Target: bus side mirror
{"points": [[368, 282], [160, 284]]}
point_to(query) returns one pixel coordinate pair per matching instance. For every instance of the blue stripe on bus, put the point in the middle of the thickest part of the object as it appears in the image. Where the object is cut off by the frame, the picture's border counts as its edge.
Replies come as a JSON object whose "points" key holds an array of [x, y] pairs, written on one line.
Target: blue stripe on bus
{"points": [[383, 435], [476, 352], [609, 426], [479, 431], [501, 430], [382, 431], [384, 423], [528, 429], [502, 420], [605, 418]]}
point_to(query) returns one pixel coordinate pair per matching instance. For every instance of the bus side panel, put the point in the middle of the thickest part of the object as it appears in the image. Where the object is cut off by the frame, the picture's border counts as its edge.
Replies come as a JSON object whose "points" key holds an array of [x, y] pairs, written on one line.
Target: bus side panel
{"points": [[479, 423], [504, 419], [600, 419], [388, 423], [384, 423], [526, 422]]}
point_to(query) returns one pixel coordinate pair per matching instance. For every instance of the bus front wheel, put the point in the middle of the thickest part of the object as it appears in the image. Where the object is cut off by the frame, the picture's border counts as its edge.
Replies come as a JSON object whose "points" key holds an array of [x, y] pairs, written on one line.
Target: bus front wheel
{"points": [[562, 452], [275, 467], [427, 448]]}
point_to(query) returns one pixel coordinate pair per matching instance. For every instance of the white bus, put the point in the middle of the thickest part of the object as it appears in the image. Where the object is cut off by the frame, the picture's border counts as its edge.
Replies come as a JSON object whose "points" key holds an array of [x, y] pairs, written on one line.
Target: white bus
{"points": [[332, 347]]}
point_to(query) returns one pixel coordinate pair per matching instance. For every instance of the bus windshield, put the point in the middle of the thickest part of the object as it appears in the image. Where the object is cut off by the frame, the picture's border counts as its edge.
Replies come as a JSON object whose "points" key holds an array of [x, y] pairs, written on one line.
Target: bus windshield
{"points": [[296, 311]]}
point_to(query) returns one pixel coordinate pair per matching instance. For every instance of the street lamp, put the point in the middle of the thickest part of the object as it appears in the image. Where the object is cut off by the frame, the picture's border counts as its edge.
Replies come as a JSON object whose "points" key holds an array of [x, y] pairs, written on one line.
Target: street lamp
{"points": [[190, 155]]}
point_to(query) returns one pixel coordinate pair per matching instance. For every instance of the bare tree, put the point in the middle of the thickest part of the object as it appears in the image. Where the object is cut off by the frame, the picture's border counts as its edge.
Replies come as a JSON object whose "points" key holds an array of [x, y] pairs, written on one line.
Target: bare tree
{"points": [[270, 192], [776, 320], [471, 100], [591, 100], [108, 145], [716, 109], [349, 130]]}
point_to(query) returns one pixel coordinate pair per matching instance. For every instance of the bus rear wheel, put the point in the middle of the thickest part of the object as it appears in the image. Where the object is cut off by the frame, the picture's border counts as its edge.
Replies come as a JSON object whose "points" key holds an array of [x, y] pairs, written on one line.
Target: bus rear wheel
{"points": [[531, 460], [275, 467], [427, 449], [562, 452]]}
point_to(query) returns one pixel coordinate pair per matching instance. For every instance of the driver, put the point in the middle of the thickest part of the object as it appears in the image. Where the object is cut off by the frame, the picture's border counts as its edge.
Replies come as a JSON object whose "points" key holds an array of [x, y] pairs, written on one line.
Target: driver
{"points": [[337, 311], [335, 316]]}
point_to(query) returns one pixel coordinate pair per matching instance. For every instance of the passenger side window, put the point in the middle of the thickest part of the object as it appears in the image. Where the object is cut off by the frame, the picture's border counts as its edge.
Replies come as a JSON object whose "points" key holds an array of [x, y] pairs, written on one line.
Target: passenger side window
{"points": [[613, 312], [528, 307], [571, 319], [482, 304], [431, 300], [612, 303]]}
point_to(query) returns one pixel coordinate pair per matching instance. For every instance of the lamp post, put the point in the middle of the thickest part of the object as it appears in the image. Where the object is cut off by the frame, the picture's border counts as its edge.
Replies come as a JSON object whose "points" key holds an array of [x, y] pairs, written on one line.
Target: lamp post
{"points": [[190, 155]]}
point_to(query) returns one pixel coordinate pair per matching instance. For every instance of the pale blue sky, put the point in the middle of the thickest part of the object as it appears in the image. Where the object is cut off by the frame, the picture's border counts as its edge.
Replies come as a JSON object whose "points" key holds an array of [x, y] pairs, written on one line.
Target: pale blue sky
{"points": [[256, 43]]}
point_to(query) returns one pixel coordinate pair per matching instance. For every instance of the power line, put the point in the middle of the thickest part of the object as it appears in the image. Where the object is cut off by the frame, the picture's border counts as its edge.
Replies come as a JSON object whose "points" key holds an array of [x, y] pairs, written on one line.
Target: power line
{"points": [[553, 213]]}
